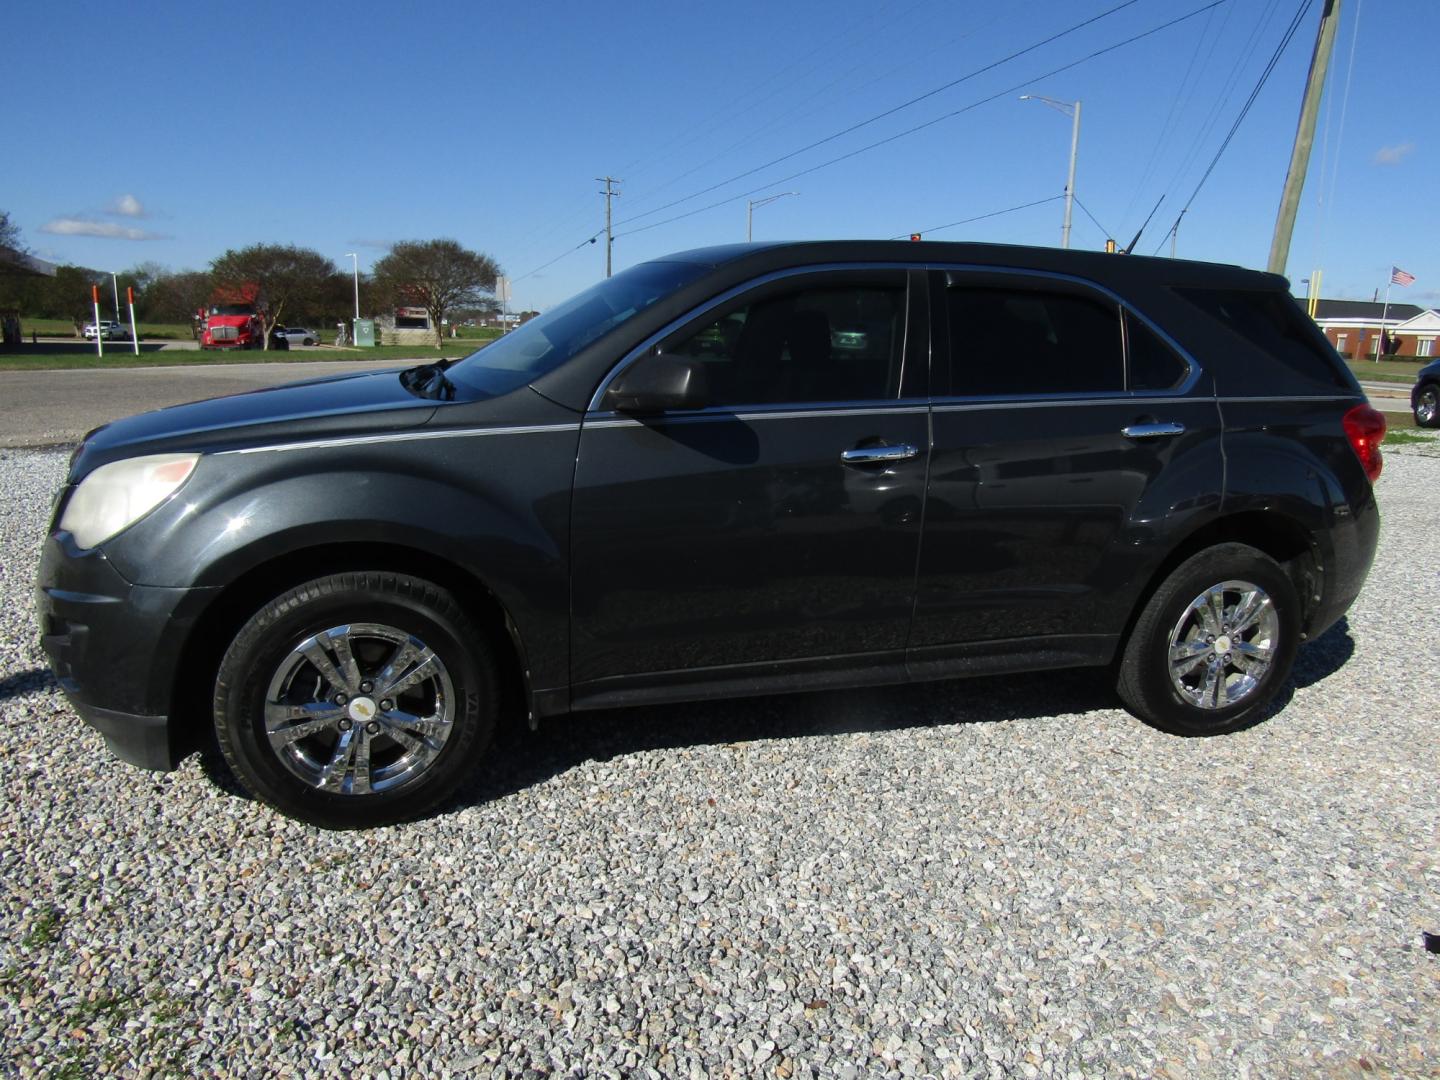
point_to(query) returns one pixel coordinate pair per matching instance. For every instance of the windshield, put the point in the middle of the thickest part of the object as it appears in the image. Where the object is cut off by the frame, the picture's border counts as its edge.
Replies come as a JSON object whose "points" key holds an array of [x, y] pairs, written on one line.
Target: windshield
{"points": [[232, 309], [547, 341]]}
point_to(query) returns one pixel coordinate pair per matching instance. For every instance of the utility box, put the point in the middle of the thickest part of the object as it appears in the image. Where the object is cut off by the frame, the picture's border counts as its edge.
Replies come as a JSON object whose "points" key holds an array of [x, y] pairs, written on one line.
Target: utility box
{"points": [[365, 333]]}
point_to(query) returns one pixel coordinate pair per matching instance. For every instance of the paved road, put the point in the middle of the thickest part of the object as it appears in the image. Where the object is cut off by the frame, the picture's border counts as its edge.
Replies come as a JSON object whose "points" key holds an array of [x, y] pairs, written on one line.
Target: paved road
{"points": [[48, 408]]}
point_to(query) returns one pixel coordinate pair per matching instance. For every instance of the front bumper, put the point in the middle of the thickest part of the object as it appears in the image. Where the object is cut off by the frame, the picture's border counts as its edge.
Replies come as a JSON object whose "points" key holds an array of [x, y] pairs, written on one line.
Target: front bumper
{"points": [[115, 648]]}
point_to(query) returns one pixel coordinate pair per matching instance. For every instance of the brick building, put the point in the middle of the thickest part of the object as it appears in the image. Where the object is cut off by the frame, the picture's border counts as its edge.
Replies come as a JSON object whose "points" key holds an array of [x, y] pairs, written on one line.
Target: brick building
{"points": [[1353, 326]]}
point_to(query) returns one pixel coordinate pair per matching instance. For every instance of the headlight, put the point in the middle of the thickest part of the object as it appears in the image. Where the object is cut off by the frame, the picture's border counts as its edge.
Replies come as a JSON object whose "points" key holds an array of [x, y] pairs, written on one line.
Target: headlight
{"points": [[117, 495]]}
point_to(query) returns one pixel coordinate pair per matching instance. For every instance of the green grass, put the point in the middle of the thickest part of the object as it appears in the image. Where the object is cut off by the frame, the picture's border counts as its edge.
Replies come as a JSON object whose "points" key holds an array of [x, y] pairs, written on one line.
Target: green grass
{"points": [[1401, 371], [181, 331], [119, 357], [44, 930]]}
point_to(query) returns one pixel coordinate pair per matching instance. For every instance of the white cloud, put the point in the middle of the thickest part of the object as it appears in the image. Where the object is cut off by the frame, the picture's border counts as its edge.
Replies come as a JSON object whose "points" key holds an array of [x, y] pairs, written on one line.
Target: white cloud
{"points": [[108, 230], [127, 205], [1394, 155]]}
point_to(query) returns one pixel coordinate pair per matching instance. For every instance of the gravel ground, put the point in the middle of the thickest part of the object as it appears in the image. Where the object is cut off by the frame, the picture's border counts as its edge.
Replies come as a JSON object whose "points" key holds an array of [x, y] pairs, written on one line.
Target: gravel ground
{"points": [[985, 878]]}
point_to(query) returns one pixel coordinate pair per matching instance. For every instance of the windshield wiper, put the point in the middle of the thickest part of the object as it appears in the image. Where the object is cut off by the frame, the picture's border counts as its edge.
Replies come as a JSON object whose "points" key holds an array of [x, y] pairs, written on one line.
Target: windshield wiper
{"points": [[430, 380]]}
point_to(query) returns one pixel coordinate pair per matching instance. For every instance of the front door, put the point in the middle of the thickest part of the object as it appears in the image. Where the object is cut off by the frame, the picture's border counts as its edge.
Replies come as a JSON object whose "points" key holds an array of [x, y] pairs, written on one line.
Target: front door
{"points": [[777, 529]]}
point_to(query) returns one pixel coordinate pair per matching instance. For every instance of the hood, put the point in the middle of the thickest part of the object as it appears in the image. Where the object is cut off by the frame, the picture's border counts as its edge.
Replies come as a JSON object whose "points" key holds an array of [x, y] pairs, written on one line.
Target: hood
{"points": [[360, 403], [227, 320]]}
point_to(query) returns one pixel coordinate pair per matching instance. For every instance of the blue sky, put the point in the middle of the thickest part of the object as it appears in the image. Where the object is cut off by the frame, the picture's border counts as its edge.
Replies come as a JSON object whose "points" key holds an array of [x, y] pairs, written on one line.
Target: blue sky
{"points": [[170, 132]]}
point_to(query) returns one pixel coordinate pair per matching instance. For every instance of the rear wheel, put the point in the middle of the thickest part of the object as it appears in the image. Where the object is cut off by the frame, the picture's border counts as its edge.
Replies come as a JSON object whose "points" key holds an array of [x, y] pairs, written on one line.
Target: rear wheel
{"points": [[356, 700], [1427, 406], [1213, 644]]}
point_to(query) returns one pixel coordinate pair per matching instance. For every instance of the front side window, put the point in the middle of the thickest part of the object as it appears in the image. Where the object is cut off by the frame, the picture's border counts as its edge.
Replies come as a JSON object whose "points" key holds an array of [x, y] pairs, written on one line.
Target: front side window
{"points": [[549, 340], [822, 344], [1020, 341]]}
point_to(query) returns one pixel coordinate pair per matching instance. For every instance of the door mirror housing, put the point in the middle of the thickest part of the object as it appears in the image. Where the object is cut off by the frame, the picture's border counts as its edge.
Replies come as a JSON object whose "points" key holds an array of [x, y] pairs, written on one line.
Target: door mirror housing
{"points": [[660, 382]]}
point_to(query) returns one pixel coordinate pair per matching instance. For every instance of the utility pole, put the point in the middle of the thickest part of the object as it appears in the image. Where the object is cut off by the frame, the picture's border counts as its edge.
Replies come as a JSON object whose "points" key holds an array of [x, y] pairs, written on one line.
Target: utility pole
{"points": [[609, 194], [1071, 109], [750, 206], [1304, 138]]}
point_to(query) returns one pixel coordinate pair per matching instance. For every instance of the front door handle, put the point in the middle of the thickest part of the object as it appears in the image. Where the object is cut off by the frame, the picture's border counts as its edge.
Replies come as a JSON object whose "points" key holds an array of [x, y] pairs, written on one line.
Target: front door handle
{"points": [[871, 455], [1152, 431]]}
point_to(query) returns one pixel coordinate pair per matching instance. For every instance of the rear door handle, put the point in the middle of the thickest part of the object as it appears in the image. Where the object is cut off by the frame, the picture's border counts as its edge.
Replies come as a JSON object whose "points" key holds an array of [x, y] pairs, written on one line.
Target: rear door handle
{"points": [[870, 455], [1152, 431]]}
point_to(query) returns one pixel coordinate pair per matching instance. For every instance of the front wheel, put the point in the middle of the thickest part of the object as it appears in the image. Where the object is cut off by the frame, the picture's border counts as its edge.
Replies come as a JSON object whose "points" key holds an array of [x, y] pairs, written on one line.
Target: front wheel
{"points": [[1213, 644], [357, 699], [1427, 406]]}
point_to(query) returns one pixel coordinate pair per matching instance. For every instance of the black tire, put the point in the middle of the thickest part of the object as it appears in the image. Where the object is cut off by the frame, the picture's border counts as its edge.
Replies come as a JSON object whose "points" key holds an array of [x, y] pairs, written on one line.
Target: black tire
{"points": [[362, 739], [1147, 681], [1427, 406]]}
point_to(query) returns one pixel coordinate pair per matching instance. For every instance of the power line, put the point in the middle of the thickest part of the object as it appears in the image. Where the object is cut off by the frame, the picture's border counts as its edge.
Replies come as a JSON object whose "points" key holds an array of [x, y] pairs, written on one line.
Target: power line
{"points": [[552, 262], [1245, 109], [982, 217], [929, 123], [1103, 231], [891, 111]]}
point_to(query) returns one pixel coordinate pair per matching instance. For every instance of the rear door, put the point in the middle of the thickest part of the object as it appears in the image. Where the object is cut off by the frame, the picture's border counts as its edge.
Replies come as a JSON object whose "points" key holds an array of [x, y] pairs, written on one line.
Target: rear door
{"points": [[1071, 440], [776, 530]]}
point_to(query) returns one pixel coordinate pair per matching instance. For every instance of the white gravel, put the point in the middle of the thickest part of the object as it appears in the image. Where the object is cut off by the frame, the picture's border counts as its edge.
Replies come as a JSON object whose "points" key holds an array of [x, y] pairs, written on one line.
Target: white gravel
{"points": [[986, 878]]}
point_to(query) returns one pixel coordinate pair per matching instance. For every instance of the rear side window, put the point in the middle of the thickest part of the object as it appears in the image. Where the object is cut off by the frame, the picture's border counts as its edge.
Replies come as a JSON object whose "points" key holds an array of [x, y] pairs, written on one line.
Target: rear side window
{"points": [[1153, 364], [1019, 341], [1272, 323]]}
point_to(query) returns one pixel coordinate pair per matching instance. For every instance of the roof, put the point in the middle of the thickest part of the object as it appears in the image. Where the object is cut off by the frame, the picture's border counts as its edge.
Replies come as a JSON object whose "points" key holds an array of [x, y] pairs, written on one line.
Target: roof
{"points": [[1365, 309], [759, 257]]}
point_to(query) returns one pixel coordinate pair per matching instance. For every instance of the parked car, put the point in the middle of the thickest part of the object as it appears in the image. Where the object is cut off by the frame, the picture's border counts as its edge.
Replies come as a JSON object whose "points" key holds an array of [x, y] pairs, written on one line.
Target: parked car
{"points": [[108, 331], [1425, 396], [739, 470], [293, 335]]}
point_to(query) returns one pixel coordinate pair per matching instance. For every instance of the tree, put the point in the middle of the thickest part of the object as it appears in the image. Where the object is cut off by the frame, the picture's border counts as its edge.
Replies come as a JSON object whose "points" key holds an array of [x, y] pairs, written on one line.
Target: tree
{"points": [[175, 297], [437, 275], [68, 295], [15, 285], [10, 245], [279, 275]]}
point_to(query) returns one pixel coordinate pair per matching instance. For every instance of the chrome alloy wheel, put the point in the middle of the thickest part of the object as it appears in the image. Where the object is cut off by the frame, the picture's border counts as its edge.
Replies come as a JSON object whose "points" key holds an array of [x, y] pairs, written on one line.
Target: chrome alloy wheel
{"points": [[1426, 405], [359, 709], [1223, 644]]}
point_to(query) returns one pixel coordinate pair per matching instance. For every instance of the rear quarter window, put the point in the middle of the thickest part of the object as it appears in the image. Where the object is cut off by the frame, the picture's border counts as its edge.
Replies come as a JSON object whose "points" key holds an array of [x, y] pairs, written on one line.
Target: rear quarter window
{"points": [[1275, 325]]}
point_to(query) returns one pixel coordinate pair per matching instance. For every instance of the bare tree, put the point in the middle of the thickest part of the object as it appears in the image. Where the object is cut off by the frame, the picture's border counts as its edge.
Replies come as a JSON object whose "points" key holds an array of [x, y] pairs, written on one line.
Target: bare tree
{"points": [[438, 275], [277, 275]]}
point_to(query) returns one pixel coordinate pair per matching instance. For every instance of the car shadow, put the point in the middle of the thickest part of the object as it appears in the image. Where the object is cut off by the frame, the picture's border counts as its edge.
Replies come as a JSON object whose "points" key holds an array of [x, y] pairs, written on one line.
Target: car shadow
{"points": [[73, 345], [24, 683], [520, 759]]}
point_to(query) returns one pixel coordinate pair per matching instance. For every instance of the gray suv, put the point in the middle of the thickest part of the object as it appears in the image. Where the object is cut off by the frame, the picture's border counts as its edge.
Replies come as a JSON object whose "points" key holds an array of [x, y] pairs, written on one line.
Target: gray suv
{"points": [[740, 470]]}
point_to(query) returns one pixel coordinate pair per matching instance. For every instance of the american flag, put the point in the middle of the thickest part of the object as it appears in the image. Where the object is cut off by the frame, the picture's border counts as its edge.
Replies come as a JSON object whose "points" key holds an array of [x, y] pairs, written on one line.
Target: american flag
{"points": [[1400, 277]]}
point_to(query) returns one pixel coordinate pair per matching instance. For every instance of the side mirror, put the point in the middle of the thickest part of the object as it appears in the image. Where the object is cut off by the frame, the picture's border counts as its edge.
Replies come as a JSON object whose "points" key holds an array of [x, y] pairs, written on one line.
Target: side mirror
{"points": [[659, 382]]}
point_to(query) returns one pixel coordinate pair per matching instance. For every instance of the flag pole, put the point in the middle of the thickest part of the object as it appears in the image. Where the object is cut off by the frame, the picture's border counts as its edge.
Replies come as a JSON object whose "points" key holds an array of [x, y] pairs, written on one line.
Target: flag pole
{"points": [[1385, 314]]}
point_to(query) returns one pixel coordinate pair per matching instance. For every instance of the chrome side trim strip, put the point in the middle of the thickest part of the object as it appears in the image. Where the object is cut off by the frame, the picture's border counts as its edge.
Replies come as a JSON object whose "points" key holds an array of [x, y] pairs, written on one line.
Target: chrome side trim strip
{"points": [[401, 436], [977, 405], [949, 405], [615, 420]]}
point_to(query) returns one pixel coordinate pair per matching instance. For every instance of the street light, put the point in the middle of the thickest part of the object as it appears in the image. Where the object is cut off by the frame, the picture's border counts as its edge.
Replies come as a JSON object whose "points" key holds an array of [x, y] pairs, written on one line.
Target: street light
{"points": [[1069, 108], [115, 287], [355, 259], [750, 210]]}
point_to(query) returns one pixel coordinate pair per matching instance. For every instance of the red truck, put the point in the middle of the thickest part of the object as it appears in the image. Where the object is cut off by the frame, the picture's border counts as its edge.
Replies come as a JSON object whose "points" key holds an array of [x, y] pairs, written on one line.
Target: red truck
{"points": [[232, 320]]}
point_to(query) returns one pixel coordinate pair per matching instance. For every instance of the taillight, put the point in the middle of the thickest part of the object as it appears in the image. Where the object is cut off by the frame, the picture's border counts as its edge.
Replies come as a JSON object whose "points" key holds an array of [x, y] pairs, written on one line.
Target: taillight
{"points": [[1365, 428]]}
